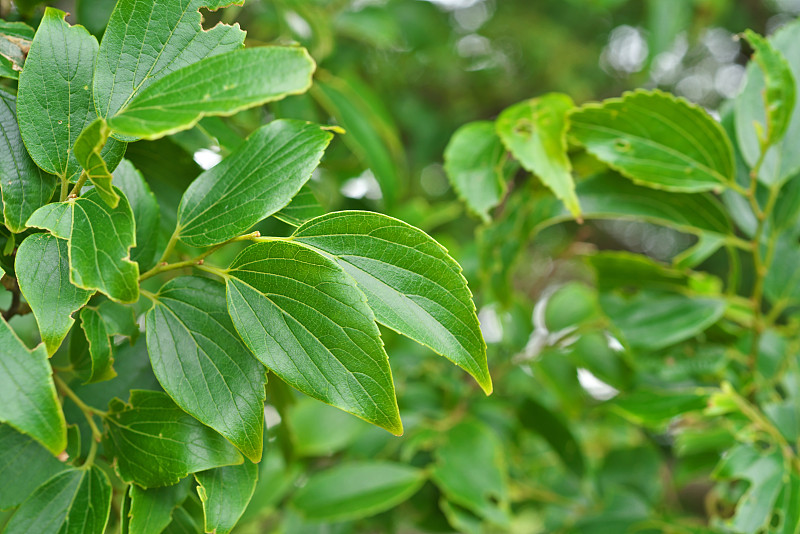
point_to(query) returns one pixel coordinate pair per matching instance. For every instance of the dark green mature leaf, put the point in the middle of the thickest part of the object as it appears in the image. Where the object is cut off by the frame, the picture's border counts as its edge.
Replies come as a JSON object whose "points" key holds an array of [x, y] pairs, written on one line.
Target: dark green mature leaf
{"points": [[146, 40], [370, 132], [28, 399], [145, 212], [652, 320], [24, 187], [151, 509], [15, 41], [42, 267], [537, 418], [470, 470], [474, 160], [60, 65], [357, 489], [251, 184], [535, 132], [303, 207], [782, 160], [100, 348], [101, 264], [657, 141], [24, 464], [88, 151], [203, 365], [219, 85], [77, 500], [411, 283], [225, 493], [154, 443], [308, 322], [780, 91]]}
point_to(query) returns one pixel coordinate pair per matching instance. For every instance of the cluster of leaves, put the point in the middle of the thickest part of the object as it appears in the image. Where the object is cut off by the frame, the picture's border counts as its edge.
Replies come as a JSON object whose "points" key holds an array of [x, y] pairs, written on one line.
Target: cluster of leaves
{"points": [[697, 359], [80, 240]]}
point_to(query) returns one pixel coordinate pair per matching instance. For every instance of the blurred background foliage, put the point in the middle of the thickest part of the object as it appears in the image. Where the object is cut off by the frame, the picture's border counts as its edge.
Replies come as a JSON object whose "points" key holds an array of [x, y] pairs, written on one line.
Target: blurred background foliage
{"points": [[550, 450]]}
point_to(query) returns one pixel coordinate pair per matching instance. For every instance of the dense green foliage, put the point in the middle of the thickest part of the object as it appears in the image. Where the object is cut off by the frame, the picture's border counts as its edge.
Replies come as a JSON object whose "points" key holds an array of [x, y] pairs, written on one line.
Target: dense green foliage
{"points": [[633, 260]]}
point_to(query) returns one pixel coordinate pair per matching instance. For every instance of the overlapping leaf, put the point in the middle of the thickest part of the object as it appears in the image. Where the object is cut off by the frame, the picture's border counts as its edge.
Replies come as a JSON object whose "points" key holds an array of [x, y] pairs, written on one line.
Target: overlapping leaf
{"points": [[151, 509], [154, 443], [254, 182], [411, 283], [28, 399], [656, 140], [225, 493], [100, 349], [42, 267], [145, 212], [202, 364], [23, 185], [88, 151], [308, 322], [303, 207], [15, 41], [26, 463]]}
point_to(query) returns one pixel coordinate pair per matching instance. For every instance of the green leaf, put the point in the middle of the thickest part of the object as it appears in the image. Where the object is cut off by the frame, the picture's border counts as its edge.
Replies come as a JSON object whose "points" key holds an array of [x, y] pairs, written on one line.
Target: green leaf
{"points": [[537, 418], [88, 151], [535, 132], [571, 305], [24, 187], [24, 465], [60, 65], [151, 509], [101, 264], [15, 41], [42, 267], [656, 140], [321, 430], [411, 283], [251, 184], [653, 320], [470, 470], [77, 500], [303, 207], [355, 490], [203, 365], [474, 161], [619, 269], [780, 91], [656, 408], [145, 213], [225, 493], [219, 85], [28, 400], [100, 348], [154, 443], [146, 40], [308, 322], [370, 133], [782, 281], [782, 160]]}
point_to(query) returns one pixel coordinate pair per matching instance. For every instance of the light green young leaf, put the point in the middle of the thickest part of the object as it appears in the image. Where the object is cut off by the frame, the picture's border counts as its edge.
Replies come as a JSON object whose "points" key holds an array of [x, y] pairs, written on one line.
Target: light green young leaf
{"points": [[147, 39], [656, 140], [101, 362], [203, 365], [88, 151], [219, 85], [225, 493], [474, 160], [251, 184], [28, 400], [26, 463], [24, 186], [151, 509], [535, 132], [154, 443], [780, 91], [308, 322], [77, 500], [303, 207], [42, 267], [101, 264], [145, 213], [411, 283], [15, 41], [60, 65], [356, 490], [782, 160]]}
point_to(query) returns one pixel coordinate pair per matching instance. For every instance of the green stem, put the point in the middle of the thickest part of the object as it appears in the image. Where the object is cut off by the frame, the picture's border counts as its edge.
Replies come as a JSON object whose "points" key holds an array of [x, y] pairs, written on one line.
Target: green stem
{"points": [[64, 190], [88, 411], [79, 184]]}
